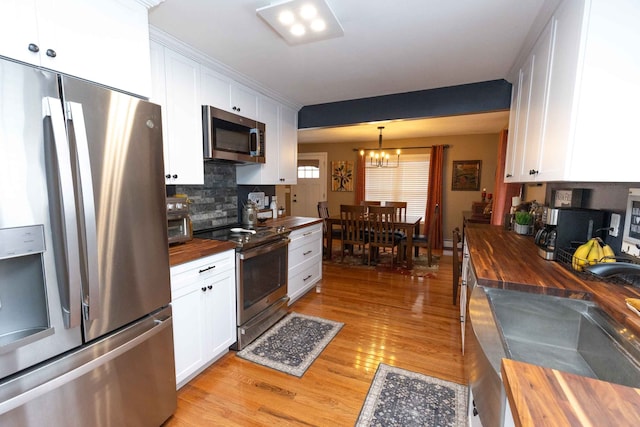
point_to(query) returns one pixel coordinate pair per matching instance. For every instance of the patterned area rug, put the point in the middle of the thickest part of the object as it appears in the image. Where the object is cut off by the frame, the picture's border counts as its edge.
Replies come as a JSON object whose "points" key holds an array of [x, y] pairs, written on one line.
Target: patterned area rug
{"points": [[398, 397], [292, 344], [421, 267]]}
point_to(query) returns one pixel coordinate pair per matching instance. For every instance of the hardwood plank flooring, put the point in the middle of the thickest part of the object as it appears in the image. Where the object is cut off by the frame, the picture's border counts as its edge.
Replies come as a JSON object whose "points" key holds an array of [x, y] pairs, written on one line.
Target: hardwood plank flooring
{"points": [[388, 318]]}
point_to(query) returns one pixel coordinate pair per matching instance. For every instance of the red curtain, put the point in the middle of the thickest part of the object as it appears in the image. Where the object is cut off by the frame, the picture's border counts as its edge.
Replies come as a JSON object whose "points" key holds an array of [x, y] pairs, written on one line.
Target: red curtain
{"points": [[360, 179], [502, 192], [434, 194]]}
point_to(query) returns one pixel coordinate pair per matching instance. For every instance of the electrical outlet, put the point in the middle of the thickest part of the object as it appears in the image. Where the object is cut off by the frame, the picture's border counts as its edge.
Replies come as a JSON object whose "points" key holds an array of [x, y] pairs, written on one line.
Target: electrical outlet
{"points": [[614, 225]]}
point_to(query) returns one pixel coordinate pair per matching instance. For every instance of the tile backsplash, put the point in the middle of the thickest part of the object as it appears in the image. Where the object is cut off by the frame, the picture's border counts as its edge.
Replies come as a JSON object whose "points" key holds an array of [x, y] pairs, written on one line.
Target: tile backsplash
{"points": [[215, 203]]}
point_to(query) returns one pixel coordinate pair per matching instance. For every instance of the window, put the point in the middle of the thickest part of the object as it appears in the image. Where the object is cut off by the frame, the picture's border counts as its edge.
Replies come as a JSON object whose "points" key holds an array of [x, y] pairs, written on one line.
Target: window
{"points": [[308, 172], [406, 183]]}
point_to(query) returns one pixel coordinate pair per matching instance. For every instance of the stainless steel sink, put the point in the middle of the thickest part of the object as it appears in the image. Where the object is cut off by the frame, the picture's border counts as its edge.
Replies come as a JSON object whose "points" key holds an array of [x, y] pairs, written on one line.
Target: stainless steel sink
{"points": [[561, 333], [570, 335]]}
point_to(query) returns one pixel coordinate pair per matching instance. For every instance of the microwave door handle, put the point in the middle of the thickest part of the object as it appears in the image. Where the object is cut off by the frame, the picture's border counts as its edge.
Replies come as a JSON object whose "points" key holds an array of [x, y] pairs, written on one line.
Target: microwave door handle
{"points": [[52, 108], [91, 297]]}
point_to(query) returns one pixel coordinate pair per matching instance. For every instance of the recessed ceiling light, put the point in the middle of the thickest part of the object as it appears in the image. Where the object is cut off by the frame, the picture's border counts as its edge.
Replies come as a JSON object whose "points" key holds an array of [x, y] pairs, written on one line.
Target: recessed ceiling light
{"points": [[286, 17], [308, 12], [302, 21], [318, 25], [298, 30]]}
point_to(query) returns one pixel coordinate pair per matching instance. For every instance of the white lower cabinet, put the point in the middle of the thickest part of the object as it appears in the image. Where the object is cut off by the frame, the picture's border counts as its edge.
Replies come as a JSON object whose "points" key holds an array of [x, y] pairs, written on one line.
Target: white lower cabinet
{"points": [[305, 260], [204, 312]]}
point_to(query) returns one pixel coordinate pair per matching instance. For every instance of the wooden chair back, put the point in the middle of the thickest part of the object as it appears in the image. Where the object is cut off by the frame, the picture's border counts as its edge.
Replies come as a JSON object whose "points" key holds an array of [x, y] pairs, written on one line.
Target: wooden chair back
{"points": [[381, 229], [352, 227], [367, 203], [323, 209], [457, 266], [401, 210]]}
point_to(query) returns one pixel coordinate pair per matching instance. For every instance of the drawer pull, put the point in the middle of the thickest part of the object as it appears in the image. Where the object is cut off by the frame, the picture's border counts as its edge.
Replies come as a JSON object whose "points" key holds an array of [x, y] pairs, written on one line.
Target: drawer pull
{"points": [[204, 289], [210, 287], [307, 278], [207, 269], [306, 253], [308, 233]]}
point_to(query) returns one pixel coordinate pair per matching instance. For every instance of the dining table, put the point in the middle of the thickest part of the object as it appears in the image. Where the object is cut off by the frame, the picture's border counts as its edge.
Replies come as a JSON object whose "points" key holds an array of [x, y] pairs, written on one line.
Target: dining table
{"points": [[410, 225]]}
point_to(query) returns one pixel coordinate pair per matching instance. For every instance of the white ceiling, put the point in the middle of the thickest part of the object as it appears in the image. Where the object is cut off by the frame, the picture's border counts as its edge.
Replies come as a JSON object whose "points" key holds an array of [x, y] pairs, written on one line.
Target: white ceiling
{"points": [[387, 47]]}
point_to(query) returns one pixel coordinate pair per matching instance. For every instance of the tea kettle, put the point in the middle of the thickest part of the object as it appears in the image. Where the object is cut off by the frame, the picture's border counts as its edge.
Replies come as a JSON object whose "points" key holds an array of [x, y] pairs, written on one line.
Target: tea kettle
{"points": [[249, 214]]}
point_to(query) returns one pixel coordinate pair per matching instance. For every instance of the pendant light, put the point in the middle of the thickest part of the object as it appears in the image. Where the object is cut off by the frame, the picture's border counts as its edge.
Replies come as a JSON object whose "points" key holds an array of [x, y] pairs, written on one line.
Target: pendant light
{"points": [[380, 158]]}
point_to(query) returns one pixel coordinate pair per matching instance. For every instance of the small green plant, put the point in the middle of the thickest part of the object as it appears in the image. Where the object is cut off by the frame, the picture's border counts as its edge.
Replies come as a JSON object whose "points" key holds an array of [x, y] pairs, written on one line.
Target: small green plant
{"points": [[524, 218]]}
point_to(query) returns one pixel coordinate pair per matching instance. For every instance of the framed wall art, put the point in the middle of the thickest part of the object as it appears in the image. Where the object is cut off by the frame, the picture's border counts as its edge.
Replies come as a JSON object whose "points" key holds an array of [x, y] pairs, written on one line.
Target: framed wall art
{"points": [[342, 175], [466, 175]]}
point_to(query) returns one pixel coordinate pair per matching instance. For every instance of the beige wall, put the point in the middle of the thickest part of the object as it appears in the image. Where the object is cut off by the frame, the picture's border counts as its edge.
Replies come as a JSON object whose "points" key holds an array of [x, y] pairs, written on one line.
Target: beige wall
{"points": [[466, 147]]}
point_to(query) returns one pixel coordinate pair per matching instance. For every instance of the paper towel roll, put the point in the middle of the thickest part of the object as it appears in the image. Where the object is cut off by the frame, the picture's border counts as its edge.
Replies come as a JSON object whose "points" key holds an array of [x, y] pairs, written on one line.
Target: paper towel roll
{"points": [[515, 201]]}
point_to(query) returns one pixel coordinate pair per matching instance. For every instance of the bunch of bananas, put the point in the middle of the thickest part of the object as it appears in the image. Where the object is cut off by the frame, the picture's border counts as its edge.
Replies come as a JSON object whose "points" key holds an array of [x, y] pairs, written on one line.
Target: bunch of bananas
{"points": [[593, 252]]}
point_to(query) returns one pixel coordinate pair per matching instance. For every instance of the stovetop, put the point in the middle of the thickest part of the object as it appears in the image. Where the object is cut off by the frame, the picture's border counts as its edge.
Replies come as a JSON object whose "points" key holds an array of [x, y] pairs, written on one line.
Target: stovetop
{"points": [[246, 238]]}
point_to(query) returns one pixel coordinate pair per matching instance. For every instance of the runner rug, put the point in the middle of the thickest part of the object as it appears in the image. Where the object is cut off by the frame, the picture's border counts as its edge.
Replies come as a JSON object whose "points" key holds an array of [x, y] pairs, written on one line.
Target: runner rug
{"points": [[421, 268], [292, 344], [398, 397]]}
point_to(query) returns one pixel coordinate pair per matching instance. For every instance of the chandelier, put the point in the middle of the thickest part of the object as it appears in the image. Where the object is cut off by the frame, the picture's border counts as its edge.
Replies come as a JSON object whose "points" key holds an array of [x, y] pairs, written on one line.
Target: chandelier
{"points": [[379, 158]]}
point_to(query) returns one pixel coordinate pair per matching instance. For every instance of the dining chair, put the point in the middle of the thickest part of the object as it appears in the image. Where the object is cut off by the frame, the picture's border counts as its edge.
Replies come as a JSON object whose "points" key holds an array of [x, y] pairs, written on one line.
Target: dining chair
{"points": [[425, 241], [401, 210], [323, 212], [352, 229], [457, 266], [367, 203], [382, 231]]}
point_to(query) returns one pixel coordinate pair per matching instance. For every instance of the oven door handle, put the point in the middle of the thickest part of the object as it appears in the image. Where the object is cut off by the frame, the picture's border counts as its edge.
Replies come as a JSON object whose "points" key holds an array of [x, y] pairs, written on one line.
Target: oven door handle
{"points": [[262, 249]]}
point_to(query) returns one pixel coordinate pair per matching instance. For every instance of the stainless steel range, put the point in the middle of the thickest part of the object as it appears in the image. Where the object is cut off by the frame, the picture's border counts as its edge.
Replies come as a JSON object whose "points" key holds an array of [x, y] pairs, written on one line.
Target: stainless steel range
{"points": [[261, 277]]}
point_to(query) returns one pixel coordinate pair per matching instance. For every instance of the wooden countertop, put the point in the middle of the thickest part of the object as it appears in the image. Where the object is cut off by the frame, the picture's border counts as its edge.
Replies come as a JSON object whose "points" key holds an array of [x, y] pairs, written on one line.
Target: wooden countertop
{"points": [[198, 248], [542, 396], [547, 397], [504, 259]]}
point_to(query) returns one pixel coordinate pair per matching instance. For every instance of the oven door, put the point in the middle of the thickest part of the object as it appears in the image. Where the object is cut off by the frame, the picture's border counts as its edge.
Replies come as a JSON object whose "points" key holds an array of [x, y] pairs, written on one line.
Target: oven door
{"points": [[261, 278]]}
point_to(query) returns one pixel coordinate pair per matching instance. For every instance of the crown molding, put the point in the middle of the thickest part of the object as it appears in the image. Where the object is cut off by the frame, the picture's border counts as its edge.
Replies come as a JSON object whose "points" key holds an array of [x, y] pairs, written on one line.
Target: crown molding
{"points": [[166, 39]]}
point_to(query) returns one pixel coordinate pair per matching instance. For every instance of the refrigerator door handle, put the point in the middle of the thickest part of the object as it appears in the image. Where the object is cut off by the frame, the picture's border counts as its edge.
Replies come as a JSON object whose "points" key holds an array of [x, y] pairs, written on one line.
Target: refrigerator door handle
{"points": [[52, 108], [91, 296]]}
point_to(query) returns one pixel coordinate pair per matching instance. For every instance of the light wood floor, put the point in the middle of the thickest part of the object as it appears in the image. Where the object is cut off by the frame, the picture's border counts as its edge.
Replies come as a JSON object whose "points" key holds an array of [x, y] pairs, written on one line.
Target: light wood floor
{"points": [[388, 318]]}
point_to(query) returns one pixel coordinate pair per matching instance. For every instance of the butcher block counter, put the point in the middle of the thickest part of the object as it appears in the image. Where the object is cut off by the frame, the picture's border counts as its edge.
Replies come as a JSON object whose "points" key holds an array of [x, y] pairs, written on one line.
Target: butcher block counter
{"points": [[198, 248], [537, 395]]}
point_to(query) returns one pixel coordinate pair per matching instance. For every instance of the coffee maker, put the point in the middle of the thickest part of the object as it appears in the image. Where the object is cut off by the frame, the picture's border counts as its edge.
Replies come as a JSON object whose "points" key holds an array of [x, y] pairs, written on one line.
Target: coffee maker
{"points": [[567, 228]]}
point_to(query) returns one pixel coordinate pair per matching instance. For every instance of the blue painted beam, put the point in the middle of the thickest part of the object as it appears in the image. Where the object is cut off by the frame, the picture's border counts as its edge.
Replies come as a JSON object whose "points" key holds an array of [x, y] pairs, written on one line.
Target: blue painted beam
{"points": [[470, 98]]}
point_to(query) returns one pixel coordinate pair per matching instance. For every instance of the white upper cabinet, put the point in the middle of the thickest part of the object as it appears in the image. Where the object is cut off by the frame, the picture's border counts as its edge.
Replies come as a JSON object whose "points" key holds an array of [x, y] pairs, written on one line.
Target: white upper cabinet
{"points": [[222, 92], [176, 87], [102, 41], [580, 115], [281, 141]]}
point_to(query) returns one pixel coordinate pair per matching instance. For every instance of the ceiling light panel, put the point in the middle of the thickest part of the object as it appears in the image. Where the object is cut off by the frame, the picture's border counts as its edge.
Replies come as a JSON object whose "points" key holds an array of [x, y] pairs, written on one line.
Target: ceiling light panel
{"points": [[302, 21]]}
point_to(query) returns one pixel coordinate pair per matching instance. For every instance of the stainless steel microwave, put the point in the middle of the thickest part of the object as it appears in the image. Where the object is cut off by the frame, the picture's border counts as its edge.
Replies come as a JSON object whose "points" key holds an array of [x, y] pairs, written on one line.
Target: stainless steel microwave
{"points": [[228, 136]]}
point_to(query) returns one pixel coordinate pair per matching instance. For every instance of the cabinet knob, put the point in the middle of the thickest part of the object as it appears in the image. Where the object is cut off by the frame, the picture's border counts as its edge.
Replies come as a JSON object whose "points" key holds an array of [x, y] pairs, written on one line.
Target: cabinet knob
{"points": [[167, 176], [210, 287], [204, 289], [234, 108], [34, 47], [509, 175], [51, 53], [174, 176], [533, 172]]}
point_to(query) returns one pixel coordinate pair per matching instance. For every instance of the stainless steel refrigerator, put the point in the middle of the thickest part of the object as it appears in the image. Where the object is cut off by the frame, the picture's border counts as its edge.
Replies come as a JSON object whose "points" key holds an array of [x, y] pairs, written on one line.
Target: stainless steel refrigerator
{"points": [[85, 323]]}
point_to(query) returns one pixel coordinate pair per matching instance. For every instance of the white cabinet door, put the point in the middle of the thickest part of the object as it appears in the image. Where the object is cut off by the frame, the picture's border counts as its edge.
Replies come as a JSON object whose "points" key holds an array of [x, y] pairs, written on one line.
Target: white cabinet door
{"points": [[216, 89], [514, 137], [106, 42], [184, 163], [244, 101], [288, 158], [221, 311], [19, 31], [189, 321]]}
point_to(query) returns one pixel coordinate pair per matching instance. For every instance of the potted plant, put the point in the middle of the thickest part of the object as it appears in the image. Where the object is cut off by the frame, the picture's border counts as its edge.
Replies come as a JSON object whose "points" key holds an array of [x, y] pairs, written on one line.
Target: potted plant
{"points": [[523, 223]]}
